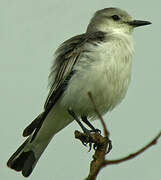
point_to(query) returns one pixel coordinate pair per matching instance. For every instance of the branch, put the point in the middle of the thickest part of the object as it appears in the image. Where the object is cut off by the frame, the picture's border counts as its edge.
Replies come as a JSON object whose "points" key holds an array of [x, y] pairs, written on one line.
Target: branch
{"points": [[133, 155], [101, 144], [99, 156]]}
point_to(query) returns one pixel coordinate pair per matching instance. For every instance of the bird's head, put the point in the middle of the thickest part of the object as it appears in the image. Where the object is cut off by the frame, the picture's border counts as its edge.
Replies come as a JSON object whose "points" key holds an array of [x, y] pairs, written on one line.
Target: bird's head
{"points": [[114, 19]]}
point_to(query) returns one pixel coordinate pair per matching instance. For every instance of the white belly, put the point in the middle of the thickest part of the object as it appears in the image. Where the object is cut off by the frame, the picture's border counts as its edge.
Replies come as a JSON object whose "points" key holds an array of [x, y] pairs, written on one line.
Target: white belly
{"points": [[106, 78]]}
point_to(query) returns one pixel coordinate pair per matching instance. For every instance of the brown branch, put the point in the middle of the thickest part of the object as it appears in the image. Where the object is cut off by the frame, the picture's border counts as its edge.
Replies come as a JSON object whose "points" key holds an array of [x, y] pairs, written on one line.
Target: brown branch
{"points": [[99, 161], [101, 143], [133, 155]]}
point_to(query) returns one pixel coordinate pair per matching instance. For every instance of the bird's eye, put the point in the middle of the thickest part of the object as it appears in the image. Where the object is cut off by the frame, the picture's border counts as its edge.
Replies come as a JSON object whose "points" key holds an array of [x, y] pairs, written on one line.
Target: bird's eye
{"points": [[115, 17]]}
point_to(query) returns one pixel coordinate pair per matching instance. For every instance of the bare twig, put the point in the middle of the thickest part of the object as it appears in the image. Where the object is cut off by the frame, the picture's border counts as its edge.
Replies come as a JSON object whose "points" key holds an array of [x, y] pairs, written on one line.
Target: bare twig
{"points": [[99, 161], [133, 155]]}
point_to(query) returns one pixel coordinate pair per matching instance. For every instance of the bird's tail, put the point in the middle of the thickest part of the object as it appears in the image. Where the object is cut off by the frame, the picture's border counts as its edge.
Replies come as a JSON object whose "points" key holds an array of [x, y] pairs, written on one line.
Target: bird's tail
{"points": [[26, 156], [39, 133]]}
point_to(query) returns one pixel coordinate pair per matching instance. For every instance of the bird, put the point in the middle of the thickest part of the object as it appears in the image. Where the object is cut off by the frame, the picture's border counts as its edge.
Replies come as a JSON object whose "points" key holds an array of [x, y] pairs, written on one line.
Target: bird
{"points": [[98, 61]]}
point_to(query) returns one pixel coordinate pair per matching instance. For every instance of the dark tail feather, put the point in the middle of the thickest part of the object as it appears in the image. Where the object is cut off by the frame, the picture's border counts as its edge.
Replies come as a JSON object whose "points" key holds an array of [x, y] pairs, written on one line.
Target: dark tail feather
{"points": [[34, 125], [10, 161], [23, 161]]}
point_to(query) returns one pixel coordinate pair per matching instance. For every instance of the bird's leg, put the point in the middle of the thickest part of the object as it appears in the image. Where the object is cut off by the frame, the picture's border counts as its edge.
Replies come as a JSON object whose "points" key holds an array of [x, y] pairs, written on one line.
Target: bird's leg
{"points": [[85, 130], [88, 132], [85, 120]]}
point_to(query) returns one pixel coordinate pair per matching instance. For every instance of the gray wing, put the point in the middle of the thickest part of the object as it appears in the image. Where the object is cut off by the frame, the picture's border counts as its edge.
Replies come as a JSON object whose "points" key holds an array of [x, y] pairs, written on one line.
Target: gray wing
{"points": [[67, 56]]}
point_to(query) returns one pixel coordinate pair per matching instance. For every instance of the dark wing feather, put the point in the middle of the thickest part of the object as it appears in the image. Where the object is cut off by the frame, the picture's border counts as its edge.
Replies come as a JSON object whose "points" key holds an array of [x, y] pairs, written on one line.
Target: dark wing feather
{"points": [[66, 57]]}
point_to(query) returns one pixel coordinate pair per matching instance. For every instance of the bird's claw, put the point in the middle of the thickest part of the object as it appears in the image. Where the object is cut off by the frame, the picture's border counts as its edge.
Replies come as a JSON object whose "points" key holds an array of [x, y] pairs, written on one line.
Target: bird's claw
{"points": [[88, 139], [85, 144], [90, 147], [95, 146], [109, 145], [109, 148]]}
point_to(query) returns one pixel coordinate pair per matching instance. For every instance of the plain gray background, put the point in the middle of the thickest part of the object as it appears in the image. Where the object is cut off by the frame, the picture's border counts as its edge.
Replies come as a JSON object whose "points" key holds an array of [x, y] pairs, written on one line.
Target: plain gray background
{"points": [[30, 32]]}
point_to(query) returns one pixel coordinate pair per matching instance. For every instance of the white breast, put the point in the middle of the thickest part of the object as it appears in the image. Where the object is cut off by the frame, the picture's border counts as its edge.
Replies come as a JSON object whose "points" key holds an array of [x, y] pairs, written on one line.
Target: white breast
{"points": [[105, 72]]}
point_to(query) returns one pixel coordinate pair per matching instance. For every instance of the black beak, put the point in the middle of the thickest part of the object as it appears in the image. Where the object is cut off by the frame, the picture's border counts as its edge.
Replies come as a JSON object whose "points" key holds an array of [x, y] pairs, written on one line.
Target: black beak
{"points": [[137, 23]]}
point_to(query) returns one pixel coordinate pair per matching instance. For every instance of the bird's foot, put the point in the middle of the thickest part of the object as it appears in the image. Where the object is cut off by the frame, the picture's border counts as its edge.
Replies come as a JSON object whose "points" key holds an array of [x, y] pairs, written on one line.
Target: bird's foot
{"points": [[107, 141], [88, 140], [88, 137]]}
